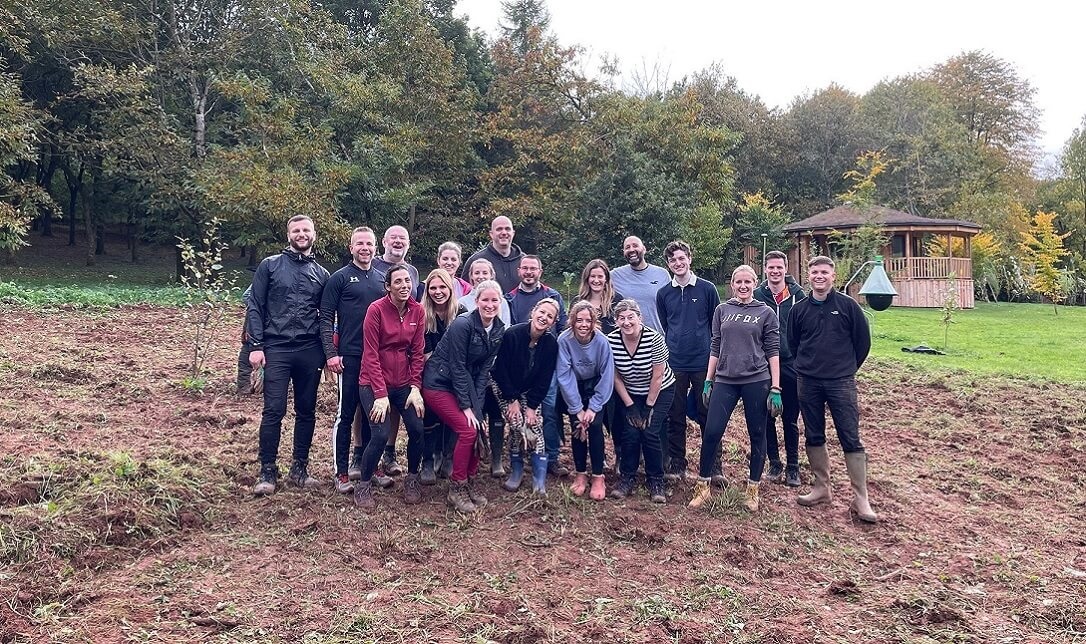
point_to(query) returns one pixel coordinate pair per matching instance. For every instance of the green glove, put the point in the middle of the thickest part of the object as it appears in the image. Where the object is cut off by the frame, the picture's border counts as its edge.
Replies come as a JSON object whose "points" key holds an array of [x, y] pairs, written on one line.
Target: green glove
{"points": [[706, 393], [776, 406]]}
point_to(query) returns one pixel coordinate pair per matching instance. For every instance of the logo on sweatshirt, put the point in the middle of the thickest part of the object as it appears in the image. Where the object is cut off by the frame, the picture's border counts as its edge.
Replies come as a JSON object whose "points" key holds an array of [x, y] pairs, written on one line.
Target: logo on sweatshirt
{"points": [[739, 317], [353, 279], [835, 313]]}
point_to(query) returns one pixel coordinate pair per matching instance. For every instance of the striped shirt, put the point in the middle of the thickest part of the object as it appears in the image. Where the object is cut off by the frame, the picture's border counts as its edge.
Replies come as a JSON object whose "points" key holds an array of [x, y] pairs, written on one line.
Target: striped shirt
{"points": [[636, 369]]}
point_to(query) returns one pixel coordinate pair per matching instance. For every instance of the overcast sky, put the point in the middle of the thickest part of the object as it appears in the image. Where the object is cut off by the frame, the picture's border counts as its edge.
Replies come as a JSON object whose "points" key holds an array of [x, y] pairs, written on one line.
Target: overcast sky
{"points": [[781, 49]]}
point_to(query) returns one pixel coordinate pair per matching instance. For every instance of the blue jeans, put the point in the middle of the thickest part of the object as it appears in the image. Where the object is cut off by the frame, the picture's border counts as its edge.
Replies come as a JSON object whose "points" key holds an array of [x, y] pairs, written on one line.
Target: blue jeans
{"points": [[649, 441], [839, 394], [552, 428]]}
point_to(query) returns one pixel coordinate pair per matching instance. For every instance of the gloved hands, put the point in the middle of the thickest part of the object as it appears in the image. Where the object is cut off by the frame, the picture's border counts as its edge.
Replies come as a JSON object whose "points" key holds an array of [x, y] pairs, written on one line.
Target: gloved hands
{"points": [[639, 417], [774, 403], [379, 410], [256, 381], [706, 393], [414, 399]]}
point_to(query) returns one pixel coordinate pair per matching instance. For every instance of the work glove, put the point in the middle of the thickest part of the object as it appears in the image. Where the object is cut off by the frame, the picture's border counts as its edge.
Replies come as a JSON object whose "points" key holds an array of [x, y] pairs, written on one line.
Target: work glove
{"points": [[256, 381], [774, 403], [706, 393], [636, 417], [414, 399], [379, 410]]}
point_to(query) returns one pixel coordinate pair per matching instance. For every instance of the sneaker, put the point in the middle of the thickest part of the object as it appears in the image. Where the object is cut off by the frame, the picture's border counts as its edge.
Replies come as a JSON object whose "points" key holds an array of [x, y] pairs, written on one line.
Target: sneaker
{"points": [[791, 476], [299, 475], [412, 489], [269, 479], [775, 473], [556, 469], [363, 495], [624, 487], [389, 464], [657, 491], [354, 472], [344, 484], [382, 481]]}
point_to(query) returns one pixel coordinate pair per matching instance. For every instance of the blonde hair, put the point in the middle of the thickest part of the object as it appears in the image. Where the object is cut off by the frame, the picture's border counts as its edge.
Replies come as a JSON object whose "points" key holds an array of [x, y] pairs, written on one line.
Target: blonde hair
{"points": [[583, 305], [745, 268], [481, 260], [484, 285], [628, 305], [448, 310], [608, 294]]}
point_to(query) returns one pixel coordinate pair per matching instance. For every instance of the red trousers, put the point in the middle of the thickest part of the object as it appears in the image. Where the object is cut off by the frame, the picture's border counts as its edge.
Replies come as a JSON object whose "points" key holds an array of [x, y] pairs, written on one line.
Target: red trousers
{"points": [[465, 457]]}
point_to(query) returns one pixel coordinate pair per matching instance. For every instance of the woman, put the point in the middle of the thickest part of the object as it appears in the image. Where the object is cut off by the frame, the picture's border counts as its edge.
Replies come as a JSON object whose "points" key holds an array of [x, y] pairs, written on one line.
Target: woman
{"points": [[440, 307], [454, 386], [448, 258], [645, 386], [596, 289], [520, 379], [480, 271], [391, 376], [744, 365], [586, 376]]}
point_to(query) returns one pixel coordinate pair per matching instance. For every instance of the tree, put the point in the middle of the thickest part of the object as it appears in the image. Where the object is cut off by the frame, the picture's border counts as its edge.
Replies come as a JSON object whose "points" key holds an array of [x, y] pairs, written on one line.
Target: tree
{"points": [[1042, 246], [759, 215], [20, 199], [1073, 162]]}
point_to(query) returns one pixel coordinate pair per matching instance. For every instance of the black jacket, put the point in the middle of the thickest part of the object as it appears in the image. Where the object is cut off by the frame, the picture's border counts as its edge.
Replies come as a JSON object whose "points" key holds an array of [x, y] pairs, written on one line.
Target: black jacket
{"points": [[516, 375], [284, 309], [831, 339], [796, 294], [461, 362]]}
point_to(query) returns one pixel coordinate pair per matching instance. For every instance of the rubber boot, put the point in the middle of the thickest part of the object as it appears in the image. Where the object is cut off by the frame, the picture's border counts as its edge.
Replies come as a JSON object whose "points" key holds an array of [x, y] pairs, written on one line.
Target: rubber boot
{"points": [[516, 472], [580, 484], [820, 467], [447, 451], [856, 462], [497, 444], [751, 501], [539, 474]]}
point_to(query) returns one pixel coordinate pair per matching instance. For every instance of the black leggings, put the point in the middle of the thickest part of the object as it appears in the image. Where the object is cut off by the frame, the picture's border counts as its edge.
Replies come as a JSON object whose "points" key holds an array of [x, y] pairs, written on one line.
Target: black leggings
{"points": [[722, 403], [379, 432]]}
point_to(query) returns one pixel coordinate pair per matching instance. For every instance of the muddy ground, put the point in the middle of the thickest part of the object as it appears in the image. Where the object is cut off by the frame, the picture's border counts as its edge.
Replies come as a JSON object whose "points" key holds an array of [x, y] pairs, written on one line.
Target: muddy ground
{"points": [[125, 516]]}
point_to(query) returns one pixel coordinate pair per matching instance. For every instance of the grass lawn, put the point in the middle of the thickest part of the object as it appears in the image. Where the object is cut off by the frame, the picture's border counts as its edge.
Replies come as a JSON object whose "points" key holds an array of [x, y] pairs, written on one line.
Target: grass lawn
{"points": [[1023, 340]]}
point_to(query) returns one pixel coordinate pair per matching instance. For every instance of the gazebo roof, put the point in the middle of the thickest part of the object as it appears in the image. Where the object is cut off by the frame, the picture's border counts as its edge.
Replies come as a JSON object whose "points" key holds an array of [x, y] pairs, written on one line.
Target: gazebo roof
{"points": [[845, 217]]}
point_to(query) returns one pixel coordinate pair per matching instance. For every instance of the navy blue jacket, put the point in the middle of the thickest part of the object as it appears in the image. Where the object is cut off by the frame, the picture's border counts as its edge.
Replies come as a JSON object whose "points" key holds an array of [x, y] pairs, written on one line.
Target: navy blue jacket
{"points": [[795, 295], [686, 320]]}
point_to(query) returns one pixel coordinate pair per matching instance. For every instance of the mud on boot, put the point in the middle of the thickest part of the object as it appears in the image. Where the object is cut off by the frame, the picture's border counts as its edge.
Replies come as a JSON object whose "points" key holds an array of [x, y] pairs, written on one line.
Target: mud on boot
{"points": [[820, 467], [624, 487], [299, 475], [751, 500], [412, 489], [702, 493], [856, 462], [428, 476], [657, 490], [474, 494], [580, 483], [458, 498], [363, 495], [539, 474], [268, 481]]}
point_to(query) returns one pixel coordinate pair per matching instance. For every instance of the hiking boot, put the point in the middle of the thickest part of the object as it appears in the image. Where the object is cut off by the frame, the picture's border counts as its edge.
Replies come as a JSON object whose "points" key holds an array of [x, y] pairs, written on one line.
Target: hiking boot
{"points": [[556, 469], [344, 484], [428, 476], [299, 475], [458, 497], [791, 476], [856, 462], [703, 491], [475, 495], [354, 472], [516, 472], [775, 473], [657, 492], [580, 484], [363, 495], [751, 501], [676, 471], [624, 488], [412, 489], [599, 488], [820, 467], [269, 479], [389, 464]]}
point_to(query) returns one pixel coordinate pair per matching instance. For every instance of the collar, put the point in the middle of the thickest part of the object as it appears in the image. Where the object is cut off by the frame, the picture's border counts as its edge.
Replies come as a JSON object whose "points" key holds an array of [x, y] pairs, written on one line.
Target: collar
{"points": [[693, 281]]}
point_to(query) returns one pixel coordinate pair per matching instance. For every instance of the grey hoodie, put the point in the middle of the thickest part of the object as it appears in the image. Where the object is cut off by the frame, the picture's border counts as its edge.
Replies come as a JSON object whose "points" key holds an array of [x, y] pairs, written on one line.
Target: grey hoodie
{"points": [[744, 337]]}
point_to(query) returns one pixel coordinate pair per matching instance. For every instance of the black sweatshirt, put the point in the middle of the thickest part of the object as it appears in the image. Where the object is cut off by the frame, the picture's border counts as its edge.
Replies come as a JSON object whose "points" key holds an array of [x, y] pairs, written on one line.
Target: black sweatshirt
{"points": [[830, 339], [347, 296], [517, 372]]}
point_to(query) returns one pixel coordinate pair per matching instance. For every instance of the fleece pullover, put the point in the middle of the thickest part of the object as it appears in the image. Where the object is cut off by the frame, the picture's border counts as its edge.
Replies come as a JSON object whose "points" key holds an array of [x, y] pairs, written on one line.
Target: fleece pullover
{"points": [[831, 337], [792, 294], [578, 361], [686, 320]]}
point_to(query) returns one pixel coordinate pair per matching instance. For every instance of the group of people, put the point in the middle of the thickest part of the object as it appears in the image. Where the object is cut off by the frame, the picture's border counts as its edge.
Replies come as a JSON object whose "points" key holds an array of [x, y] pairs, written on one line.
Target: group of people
{"points": [[481, 354]]}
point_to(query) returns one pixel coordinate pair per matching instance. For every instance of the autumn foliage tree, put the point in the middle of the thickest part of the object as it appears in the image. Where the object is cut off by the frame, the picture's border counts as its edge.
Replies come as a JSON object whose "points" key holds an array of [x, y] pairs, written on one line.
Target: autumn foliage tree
{"points": [[1042, 246]]}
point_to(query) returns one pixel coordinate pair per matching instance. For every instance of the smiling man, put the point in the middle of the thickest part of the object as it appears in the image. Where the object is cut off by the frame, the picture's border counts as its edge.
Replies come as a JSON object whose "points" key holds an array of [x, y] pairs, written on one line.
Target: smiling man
{"points": [[831, 339], [282, 320], [501, 252], [639, 280]]}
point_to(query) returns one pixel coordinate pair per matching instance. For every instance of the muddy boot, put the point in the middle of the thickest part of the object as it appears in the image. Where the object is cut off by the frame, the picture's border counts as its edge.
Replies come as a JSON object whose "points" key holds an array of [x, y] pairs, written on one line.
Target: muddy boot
{"points": [[475, 495], [428, 476], [497, 445], [820, 467], [751, 502], [716, 475], [389, 463], [624, 487], [775, 473], [516, 472], [702, 493], [539, 474], [299, 475], [458, 497], [412, 489], [599, 488], [791, 476], [580, 484], [354, 472], [445, 471], [657, 491], [856, 462], [363, 495], [269, 479]]}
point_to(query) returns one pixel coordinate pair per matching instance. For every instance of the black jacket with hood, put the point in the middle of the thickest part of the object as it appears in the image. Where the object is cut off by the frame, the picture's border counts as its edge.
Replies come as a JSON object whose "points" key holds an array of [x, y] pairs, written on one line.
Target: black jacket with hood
{"points": [[283, 310]]}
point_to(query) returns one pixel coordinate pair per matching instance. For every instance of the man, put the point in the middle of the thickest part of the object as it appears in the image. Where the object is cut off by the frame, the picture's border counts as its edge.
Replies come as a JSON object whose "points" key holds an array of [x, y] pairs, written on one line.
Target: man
{"points": [[530, 290], [639, 280], [780, 292], [347, 295], [502, 253], [830, 337], [282, 319], [685, 307], [396, 243]]}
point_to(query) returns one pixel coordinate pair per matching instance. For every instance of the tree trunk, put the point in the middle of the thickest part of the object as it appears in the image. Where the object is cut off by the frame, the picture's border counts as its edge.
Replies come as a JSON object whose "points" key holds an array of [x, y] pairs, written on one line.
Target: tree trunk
{"points": [[252, 257], [100, 240], [75, 184], [92, 226], [45, 180], [134, 242]]}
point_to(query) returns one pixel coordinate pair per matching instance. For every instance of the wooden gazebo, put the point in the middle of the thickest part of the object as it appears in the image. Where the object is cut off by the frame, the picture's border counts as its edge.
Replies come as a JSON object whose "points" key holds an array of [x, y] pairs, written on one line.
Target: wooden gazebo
{"points": [[920, 278]]}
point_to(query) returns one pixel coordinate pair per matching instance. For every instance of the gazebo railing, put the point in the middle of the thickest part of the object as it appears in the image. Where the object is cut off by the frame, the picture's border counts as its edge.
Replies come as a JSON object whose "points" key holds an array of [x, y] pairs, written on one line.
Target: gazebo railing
{"points": [[929, 267]]}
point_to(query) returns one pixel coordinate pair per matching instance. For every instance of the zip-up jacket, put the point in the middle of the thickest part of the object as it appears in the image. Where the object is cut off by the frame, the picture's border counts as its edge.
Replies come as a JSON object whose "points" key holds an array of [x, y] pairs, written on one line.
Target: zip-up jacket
{"points": [[433, 337], [795, 294], [686, 319], [521, 372], [521, 303], [392, 346], [347, 295], [505, 268], [745, 336], [284, 308], [585, 362], [462, 361], [831, 339]]}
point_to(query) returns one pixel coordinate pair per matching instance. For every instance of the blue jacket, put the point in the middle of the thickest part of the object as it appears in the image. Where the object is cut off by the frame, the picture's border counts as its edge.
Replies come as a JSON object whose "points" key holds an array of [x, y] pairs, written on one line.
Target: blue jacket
{"points": [[686, 320]]}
